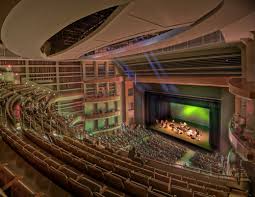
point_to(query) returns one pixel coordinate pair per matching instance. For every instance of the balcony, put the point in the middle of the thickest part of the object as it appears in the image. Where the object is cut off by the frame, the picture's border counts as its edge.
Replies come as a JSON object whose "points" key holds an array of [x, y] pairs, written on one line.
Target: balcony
{"points": [[96, 99], [102, 115], [240, 87], [243, 142], [106, 130]]}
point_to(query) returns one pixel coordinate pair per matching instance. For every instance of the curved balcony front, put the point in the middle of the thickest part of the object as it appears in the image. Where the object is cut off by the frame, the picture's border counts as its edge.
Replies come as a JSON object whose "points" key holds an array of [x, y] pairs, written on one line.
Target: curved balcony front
{"points": [[243, 143], [101, 99], [240, 87], [105, 130], [102, 115]]}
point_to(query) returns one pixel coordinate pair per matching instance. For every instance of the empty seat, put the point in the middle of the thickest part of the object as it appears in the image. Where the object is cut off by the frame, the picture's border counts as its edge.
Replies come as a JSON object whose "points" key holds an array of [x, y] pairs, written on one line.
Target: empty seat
{"points": [[135, 189], [59, 177], [79, 164], [106, 165], [67, 157], [189, 179], [96, 194], [175, 176], [39, 155], [109, 193], [179, 191], [122, 171], [179, 183], [90, 184], [79, 189], [20, 190], [43, 166], [200, 194], [146, 172], [198, 188], [218, 193], [52, 163], [159, 185], [96, 173], [139, 178], [161, 172], [158, 193], [68, 172], [162, 177], [114, 181], [5, 175]]}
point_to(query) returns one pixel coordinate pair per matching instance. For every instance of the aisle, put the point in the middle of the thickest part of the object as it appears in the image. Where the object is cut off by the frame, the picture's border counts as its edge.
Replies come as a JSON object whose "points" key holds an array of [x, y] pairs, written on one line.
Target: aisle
{"points": [[185, 159]]}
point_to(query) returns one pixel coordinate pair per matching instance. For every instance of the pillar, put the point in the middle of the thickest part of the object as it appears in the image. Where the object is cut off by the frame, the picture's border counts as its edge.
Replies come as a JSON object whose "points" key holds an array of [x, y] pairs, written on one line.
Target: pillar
{"points": [[250, 78]]}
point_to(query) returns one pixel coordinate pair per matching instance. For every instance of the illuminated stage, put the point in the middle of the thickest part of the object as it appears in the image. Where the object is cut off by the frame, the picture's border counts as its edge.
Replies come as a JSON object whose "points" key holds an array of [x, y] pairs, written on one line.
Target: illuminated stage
{"points": [[202, 141]]}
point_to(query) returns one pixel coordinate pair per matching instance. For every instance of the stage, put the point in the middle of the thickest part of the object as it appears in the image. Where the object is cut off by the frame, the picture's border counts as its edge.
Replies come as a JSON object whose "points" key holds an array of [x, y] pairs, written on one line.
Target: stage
{"points": [[202, 141]]}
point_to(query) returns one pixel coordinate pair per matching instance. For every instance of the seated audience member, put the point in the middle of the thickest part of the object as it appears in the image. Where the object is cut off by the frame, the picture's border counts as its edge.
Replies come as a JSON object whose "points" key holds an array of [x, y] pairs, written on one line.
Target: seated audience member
{"points": [[131, 153]]}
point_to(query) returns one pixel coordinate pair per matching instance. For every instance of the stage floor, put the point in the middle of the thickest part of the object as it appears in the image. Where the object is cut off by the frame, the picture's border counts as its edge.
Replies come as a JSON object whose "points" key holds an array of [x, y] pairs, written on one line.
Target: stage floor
{"points": [[203, 142]]}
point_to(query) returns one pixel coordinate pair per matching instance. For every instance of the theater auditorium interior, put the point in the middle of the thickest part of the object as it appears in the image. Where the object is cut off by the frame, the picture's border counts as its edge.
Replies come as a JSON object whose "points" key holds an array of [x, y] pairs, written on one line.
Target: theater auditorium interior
{"points": [[127, 98]]}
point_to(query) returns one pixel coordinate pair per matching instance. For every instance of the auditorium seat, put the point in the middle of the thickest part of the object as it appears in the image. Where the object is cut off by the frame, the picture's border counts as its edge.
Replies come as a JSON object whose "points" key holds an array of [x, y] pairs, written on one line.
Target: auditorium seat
{"points": [[18, 189], [68, 172], [107, 165], [200, 194], [159, 171], [92, 159], [175, 176], [21, 142], [179, 183], [67, 157], [95, 172], [96, 194], [52, 163], [79, 164], [139, 178], [179, 191], [28, 155], [80, 153], [114, 181], [5, 175], [95, 187], [189, 179], [162, 177], [108, 193], [198, 188], [44, 167], [159, 185], [158, 193], [39, 155], [122, 171], [135, 189], [59, 177], [79, 189], [218, 193]]}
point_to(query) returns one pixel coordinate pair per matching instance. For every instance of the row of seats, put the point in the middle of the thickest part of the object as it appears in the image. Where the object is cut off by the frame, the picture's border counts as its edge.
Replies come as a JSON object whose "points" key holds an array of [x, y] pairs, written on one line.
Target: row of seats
{"points": [[12, 185], [140, 174], [51, 168], [99, 172]]}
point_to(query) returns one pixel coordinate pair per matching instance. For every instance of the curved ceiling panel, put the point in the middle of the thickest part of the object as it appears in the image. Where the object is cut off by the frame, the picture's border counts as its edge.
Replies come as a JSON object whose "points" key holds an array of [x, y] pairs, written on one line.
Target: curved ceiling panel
{"points": [[31, 23], [234, 18], [76, 31]]}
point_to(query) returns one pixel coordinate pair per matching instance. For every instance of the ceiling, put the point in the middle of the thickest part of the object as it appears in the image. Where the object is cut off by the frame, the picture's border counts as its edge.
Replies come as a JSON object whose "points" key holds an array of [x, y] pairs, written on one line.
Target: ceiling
{"points": [[27, 24], [30, 23]]}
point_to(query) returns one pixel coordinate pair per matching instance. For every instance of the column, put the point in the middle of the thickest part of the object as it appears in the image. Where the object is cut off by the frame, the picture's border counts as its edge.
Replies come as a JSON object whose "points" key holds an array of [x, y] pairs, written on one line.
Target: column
{"points": [[106, 68], [57, 77], [250, 78], [96, 68], [237, 105], [27, 70]]}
